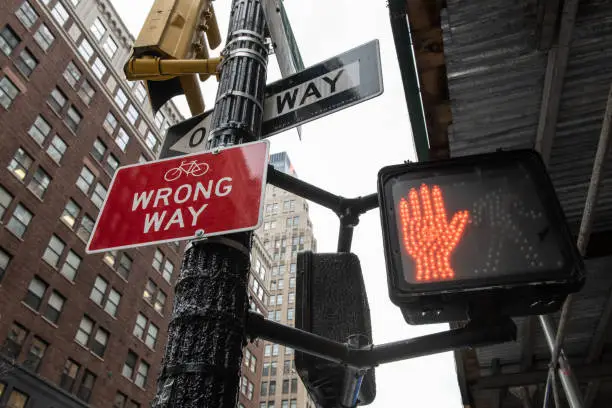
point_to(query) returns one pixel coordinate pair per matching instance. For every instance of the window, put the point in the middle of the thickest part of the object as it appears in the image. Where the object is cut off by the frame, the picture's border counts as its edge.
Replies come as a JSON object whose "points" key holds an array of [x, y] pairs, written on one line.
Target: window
{"points": [[250, 391], [19, 221], [98, 195], [288, 351], [85, 50], [98, 29], [141, 374], [110, 47], [264, 388], [86, 92], [281, 284], [15, 339], [287, 367], [292, 269], [129, 365], [122, 139], [284, 403], [293, 403], [111, 84], [54, 251], [272, 389], [277, 316], [166, 268], [85, 228], [36, 354], [111, 164], [54, 307], [26, 14], [154, 296], [151, 338], [57, 100], [99, 68], [36, 292], [56, 149], [60, 14], [140, 92], [40, 129], [72, 74], [159, 119], [87, 384], [120, 400], [73, 118], [85, 180], [43, 37], [152, 142], [26, 62], [84, 331], [275, 350], [268, 350], [110, 123], [17, 399], [8, 40], [98, 150], [291, 298], [132, 114], [8, 92], [39, 183], [279, 300], [121, 98], [69, 374], [71, 265], [70, 213], [106, 297], [273, 368], [291, 283], [294, 385], [74, 32], [5, 259], [290, 314], [285, 387], [98, 345]]}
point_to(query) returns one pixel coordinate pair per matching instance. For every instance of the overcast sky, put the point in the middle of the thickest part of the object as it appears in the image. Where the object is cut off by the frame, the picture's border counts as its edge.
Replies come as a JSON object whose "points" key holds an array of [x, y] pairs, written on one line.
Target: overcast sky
{"points": [[342, 153]]}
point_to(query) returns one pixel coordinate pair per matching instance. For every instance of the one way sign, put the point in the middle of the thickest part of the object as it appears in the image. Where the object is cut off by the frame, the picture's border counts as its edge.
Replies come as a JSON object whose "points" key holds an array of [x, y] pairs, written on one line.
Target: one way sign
{"points": [[342, 81]]}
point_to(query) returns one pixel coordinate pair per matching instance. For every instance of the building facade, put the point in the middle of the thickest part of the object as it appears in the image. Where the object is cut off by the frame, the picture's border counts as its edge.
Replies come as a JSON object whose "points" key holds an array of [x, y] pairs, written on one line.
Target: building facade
{"points": [[286, 230]]}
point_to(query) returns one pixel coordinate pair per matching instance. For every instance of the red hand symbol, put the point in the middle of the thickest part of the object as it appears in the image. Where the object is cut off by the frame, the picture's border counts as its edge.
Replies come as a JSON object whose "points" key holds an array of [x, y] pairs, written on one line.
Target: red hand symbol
{"points": [[428, 236]]}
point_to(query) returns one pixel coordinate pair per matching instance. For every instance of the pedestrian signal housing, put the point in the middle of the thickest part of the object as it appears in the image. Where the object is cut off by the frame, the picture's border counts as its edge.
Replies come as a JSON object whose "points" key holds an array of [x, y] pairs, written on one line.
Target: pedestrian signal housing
{"points": [[463, 233]]}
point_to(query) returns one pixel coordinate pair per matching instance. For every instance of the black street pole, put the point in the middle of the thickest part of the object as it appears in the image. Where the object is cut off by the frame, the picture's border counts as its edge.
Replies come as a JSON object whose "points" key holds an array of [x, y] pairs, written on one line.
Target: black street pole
{"points": [[206, 334]]}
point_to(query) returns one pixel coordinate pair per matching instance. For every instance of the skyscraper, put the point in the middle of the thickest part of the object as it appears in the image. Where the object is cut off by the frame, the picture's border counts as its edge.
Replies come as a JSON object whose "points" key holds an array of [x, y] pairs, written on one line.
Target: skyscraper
{"points": [[286, 230]]}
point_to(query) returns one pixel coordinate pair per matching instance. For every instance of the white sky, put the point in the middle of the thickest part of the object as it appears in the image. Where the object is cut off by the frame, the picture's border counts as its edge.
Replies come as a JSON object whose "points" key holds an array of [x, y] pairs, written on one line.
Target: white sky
{"points": [[342, 153]]}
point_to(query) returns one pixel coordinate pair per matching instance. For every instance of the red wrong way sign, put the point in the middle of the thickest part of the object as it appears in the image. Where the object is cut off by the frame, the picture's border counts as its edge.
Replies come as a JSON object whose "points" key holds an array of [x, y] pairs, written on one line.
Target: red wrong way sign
{"points": [[196, 195]]}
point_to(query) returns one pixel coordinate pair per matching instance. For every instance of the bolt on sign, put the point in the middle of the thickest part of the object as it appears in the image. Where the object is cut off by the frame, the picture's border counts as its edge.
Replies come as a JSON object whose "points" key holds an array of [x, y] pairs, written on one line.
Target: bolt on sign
{"points": [[193, 196]]}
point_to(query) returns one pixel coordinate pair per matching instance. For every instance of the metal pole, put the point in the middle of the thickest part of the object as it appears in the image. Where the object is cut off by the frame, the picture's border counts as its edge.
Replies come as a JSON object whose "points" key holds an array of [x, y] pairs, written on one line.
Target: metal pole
{"points": [[585, 229], [206, 334]]}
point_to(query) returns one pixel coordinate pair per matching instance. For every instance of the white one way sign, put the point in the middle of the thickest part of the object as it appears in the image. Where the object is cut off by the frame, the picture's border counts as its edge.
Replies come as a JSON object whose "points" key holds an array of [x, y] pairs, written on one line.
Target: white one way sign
{"points": [[342, 81]]}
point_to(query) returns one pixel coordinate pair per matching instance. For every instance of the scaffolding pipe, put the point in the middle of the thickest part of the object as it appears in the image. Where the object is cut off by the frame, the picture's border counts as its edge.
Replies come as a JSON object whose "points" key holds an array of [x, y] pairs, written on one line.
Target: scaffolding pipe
{"points": [[584, 233]]}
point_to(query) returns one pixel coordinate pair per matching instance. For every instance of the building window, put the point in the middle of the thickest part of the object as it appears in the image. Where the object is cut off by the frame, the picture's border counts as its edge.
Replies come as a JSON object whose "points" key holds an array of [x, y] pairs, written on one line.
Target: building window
{"points": [[56, 149], [5, 259], [8, 92], [268, 350], [152, 142], [84, 331], [98, 150], [17, 399], [132, 114], [85, 180], [122, 139], [74, 32], [26, 14], [87, 384], [290, 314], [285, 388], [35, 294], [54, 307], [39, 183], [293, 403], [292, 282], [72, 74], [106, 297], [121, 264], [19, 221], [14, 341], [86, 50], [98, 195], [70, 213], [272, 389], [140, 92], [85, 228], [40, 129], [54, 251], [57, 100], [288, 351], [110, 47], [86, 92], [8, 40], [98, 29], [111, 164], [26, 62], [99, 68], [110, 123], [291, 298], [36, 354], [121, 98], [141, 374], [100, 340], [73, 118], [129, 365], [163, 266], [60, 14], [147, 334], [43, 37], [275, 350], [69, 374], [294, 385], [154, 296], [111, 84], [71, 265], [264, 388]]}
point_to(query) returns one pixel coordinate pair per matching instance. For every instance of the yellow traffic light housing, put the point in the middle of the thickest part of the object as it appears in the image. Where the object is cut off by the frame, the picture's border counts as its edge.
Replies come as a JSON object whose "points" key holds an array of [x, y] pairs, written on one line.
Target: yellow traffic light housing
{"points": [[170, 51]]}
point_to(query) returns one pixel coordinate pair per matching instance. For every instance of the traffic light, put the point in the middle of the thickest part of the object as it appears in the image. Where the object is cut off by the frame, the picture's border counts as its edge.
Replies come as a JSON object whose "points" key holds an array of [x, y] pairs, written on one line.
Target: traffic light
{"points": [[331, 301], [476, 235], [172, 37]]}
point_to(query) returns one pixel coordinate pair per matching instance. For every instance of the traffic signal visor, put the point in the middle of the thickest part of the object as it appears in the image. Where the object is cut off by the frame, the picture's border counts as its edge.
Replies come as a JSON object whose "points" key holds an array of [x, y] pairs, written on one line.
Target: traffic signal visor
{"points": [[472, 224]]}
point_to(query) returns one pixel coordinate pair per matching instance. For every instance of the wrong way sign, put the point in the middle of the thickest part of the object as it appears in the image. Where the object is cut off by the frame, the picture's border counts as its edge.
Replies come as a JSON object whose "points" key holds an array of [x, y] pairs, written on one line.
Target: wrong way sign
{"points": [[342, 81], [194, 196]]}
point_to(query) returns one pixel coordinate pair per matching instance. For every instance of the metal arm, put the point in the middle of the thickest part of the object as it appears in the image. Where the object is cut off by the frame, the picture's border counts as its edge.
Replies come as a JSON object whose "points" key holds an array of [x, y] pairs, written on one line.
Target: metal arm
{"points": [[157, 69]]}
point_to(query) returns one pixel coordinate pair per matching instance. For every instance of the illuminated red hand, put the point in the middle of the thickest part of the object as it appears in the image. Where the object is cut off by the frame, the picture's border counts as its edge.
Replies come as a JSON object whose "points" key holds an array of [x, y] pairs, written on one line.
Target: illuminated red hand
{"points": [[428, 236]]}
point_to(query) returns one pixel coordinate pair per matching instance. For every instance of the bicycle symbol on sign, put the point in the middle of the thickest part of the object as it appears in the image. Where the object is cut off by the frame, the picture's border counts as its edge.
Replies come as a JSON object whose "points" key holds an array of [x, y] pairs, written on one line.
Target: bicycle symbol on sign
{"points": [[189, 168]]}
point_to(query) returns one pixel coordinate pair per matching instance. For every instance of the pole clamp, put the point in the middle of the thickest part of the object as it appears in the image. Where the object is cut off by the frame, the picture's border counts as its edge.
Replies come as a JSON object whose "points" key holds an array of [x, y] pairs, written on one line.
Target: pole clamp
{"points": [[219, 240]]}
